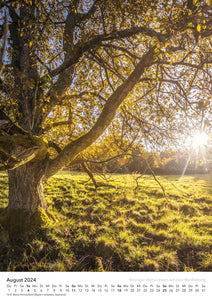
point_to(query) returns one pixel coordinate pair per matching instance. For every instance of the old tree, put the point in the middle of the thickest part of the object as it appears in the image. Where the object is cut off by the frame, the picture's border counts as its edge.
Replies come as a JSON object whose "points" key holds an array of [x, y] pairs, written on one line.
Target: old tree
{"points": [[73, 70]]}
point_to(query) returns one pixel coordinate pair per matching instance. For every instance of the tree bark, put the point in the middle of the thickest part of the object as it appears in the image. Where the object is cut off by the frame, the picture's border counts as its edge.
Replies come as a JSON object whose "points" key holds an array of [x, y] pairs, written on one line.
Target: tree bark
{"points": [[26, 188]]}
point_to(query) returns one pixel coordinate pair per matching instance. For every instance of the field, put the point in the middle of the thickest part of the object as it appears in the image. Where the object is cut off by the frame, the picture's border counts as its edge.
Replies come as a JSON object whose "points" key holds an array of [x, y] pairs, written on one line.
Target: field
{"points": [[128, 225]]}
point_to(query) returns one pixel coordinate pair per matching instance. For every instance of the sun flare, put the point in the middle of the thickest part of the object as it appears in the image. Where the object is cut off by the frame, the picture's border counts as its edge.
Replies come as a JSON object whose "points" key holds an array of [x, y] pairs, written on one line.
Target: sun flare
{"points": [[200, 139]]}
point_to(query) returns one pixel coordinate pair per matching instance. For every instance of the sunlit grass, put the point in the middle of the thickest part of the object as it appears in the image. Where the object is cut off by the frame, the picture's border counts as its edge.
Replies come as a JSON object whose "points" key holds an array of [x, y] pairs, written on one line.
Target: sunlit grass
{"points": [[121, 228]]}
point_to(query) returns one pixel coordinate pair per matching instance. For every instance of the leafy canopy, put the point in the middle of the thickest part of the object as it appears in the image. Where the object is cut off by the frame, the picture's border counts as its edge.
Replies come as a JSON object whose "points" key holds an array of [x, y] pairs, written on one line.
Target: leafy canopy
{"points": [[78, 74]]}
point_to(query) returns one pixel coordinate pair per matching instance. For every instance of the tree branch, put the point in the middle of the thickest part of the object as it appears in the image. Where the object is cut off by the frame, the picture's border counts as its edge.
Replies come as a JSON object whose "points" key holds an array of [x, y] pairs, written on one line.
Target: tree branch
{"points": [[5, 37], [81, 48], [103, 161], [57, 124], [90, 174], [4, 88], [121, 49], [71, 150], [5, 3], [15, 162], [84, 17]]}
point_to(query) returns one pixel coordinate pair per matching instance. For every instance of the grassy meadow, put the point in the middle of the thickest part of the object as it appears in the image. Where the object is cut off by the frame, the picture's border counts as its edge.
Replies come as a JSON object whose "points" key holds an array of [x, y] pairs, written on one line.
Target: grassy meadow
{"points": [[128, 225]]}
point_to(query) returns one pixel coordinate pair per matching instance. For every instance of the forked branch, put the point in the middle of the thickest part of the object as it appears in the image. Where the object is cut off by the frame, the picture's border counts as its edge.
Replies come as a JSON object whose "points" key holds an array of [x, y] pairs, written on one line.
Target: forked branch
{"points": [[108, 113]]}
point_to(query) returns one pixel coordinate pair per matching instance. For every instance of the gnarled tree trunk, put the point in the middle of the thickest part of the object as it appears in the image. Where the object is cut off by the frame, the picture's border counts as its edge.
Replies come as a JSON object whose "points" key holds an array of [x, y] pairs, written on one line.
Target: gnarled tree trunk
{"points": [[27, 204], [26, 188]]}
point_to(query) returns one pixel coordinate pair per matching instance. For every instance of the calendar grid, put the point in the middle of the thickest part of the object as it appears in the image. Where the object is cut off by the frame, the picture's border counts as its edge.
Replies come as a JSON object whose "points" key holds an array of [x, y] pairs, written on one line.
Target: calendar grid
{"points": [[62, 285]]}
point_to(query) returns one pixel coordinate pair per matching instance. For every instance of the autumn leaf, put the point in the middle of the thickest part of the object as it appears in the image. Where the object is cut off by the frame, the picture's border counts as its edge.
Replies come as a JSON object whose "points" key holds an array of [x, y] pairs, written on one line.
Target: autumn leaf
{"points": [[198, 27]]}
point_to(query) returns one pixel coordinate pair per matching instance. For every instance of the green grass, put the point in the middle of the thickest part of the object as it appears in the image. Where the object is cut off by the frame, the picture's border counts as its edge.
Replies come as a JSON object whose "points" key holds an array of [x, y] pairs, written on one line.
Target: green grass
{"points": [[119, 228]]}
